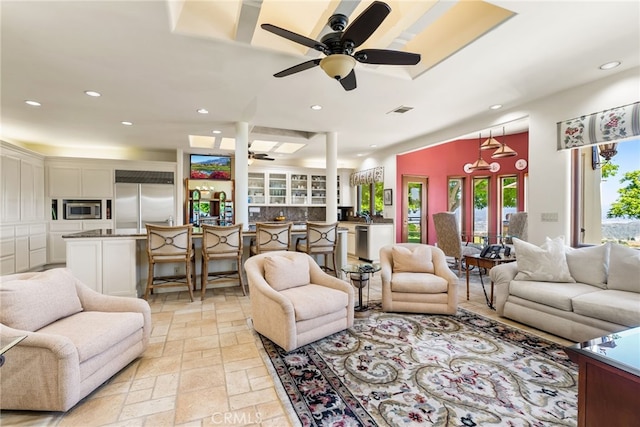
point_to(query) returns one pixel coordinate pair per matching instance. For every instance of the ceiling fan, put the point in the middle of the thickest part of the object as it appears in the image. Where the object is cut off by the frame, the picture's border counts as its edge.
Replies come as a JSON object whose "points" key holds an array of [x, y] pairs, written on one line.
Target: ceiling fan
{"points": [[339, 46], [258, 156]]}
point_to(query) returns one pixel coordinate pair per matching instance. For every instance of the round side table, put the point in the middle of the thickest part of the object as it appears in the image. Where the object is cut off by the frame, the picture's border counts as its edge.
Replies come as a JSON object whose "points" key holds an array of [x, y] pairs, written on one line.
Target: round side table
{"points": [[360, 275]]}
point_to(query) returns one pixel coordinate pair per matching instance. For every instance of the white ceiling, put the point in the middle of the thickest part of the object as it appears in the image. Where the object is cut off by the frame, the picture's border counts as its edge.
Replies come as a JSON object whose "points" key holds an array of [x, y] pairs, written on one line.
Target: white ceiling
{"points": [[155, 68]]}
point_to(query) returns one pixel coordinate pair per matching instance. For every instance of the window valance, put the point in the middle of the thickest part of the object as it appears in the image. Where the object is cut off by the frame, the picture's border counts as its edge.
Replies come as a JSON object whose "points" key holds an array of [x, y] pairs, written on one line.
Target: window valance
{"points": [[367, 176], [604, 126]]}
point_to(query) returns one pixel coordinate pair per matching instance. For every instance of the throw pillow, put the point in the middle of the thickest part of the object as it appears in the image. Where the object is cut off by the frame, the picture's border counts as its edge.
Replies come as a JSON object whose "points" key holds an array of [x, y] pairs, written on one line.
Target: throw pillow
{"points": [[418, 260], [286, 271], [546, 263], [589, 265], [624, 268], [34, 302]]}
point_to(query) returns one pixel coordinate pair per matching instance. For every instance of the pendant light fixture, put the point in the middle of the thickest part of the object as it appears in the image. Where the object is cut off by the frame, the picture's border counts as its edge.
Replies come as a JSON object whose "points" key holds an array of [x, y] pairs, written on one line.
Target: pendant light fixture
{"points": [[490, 143], [504, 150], [480, 164]]}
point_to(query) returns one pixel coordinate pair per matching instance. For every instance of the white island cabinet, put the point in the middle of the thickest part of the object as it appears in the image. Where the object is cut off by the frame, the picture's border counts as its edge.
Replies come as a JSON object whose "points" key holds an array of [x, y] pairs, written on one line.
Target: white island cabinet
{"points": [[107, 265]]}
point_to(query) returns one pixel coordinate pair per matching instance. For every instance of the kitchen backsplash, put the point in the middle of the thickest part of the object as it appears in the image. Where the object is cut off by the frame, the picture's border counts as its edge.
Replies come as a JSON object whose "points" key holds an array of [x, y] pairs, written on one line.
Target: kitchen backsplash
{"points": [[291, 213]]}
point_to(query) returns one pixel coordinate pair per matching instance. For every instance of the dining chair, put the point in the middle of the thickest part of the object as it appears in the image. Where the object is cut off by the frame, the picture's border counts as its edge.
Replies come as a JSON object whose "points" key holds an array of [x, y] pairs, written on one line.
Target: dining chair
{"points": [[321, 239], [271, 237], [221, 243], [449, 239], [170, 245]]}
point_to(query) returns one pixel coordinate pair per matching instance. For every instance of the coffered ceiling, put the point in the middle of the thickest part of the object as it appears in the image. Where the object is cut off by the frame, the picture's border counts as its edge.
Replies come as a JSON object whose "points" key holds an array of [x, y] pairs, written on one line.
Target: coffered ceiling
{"points": [[155, 63]]}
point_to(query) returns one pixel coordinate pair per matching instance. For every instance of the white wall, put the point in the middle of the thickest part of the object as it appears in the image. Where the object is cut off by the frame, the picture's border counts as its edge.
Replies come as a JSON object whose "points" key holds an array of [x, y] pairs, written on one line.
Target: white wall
{"points": [[549, 190], [550, 170]]}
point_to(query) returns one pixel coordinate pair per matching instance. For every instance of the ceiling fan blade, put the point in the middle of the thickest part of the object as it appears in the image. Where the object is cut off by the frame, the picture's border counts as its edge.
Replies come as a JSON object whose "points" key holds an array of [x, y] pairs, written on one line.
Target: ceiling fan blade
{"points": [[349, 82], [366, 23], [386, 57], [298, 68], [294, 37]]}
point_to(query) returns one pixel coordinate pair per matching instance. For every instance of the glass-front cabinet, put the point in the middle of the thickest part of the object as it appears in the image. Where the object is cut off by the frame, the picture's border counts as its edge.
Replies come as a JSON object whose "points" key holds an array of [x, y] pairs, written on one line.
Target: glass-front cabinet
{"points": [[318, 189], [287, 188], [256, 188], [277, 188], [299, 189]]}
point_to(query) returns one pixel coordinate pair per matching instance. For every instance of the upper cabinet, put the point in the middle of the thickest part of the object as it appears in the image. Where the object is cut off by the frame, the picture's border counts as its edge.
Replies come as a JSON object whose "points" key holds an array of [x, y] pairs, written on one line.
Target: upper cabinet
{"points": [[69, 180], [256, 188], [277, 188], [299, 189], [22, 182], [10, 199], [318, 189]]}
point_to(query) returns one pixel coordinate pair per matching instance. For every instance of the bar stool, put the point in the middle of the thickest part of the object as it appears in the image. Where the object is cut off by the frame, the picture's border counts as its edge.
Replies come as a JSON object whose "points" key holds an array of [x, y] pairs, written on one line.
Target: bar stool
{"points": [[270, 237], [170, 245], [321, 239], [221, 243]]}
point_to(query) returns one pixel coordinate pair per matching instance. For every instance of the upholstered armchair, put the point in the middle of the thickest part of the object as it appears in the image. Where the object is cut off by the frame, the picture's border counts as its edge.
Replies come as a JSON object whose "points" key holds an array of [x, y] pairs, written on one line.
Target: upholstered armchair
{"points": [[417, 279], [518, 224], [294, 302], [449, 239]]}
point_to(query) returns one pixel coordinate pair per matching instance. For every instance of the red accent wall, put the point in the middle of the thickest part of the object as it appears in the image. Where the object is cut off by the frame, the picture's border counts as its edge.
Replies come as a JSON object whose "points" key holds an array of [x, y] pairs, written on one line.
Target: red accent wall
{"points": [[441, 162]]}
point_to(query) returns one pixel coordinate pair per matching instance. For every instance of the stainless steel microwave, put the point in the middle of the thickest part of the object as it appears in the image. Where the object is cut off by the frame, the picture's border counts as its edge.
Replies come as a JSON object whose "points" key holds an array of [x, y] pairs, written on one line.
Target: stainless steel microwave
{"points": [[82, 209]]}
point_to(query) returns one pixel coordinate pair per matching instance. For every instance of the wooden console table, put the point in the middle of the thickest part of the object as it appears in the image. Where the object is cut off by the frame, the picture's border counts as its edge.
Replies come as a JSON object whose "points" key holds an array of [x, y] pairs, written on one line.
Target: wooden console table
{"points": [[486, 263], [608, 379]]}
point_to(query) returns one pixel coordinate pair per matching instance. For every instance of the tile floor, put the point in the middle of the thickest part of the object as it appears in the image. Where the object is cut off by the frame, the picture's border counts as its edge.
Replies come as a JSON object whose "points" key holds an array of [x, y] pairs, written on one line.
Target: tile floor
{"points": [[204, 367]]}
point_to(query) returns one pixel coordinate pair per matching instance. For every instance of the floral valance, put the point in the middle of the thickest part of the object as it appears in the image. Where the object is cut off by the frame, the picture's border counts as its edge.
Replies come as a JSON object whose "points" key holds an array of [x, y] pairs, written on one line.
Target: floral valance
{"points": [[601, 127], [367, 176]]}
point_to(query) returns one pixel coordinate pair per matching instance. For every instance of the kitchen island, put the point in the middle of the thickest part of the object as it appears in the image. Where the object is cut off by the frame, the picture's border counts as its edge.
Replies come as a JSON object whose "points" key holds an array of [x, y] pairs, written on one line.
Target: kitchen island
{"points": [[114, 261]]}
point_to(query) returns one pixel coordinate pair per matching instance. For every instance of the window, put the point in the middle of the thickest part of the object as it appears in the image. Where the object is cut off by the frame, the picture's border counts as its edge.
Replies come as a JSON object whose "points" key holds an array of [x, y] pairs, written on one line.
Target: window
{"points": [[606, 194], [456, 194], [480, 209], [368, 204], [508, 202]]}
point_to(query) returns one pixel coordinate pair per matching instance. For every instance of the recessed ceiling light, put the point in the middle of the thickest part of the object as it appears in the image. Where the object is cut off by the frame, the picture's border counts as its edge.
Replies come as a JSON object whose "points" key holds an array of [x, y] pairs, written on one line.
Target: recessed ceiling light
{"points": [[316, 107], [359, 154], [127, 123], [373, 146], [202, 111], [610, 65], [496, 106], [32, 103], [217, 132], [92, 93]]}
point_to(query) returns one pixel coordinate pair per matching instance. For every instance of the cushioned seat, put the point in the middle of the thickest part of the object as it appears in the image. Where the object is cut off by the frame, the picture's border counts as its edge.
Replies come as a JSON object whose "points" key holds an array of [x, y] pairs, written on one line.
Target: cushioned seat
{"points": [[294, 302], [558, 295], [76, 339], [416, 279], [613, 306]]}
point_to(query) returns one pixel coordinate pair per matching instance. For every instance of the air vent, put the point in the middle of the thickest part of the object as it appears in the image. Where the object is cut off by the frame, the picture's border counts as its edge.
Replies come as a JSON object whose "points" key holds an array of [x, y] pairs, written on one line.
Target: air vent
{"points": [[144, 177], [401, 110]]}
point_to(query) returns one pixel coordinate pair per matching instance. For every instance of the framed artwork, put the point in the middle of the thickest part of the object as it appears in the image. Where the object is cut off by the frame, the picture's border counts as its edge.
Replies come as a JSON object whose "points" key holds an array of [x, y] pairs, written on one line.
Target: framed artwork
{"points": [[388, 197]]}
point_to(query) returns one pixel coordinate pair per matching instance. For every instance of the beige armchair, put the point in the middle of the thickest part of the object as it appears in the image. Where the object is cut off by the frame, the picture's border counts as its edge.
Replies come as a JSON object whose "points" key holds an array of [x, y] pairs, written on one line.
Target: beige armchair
{"points": [[294, 302], [449, 239], [76, 339], [416, 279]]}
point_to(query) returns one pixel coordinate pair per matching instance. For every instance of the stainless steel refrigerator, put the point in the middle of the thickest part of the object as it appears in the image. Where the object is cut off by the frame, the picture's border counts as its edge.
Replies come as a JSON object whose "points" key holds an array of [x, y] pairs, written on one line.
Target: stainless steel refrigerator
{"points": [[149, 199]]}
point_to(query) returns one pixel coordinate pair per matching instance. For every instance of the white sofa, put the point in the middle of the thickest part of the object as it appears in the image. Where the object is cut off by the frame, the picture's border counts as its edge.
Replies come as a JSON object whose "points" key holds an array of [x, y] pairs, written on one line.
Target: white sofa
{"points": [[579, 294], [76, 339]]}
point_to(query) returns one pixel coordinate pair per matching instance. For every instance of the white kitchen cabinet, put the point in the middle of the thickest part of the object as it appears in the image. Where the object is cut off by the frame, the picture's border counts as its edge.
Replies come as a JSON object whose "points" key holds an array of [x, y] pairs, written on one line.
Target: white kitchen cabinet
{"points": [[22, 248], [32, 190], [94, 224], [57, 249], [97, 182], [70, 180], [84, 260], [318, 189], [256, 189], [10, 198], [22, 210], [278, 194], [351, 237], [106, 265]]}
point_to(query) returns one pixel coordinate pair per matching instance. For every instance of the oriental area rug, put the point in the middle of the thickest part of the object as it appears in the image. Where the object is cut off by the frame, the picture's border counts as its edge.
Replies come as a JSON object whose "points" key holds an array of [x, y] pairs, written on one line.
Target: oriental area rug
{"points": [[431, 370]]}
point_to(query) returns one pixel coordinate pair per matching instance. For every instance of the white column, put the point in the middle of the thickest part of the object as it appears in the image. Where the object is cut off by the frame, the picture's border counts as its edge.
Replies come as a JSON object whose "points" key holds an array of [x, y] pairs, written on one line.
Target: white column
{"points": [[240, 201], [332, 176]]}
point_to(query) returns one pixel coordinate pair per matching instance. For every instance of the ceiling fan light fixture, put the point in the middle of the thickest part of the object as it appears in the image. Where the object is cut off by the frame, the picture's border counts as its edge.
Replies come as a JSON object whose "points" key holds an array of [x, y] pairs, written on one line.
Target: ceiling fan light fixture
{"points": [[337, 66]]}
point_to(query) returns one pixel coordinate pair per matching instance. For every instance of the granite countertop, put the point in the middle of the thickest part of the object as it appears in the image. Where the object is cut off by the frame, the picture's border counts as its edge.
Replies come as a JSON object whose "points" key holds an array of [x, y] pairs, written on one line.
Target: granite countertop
{"points": [[138, 233]]}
